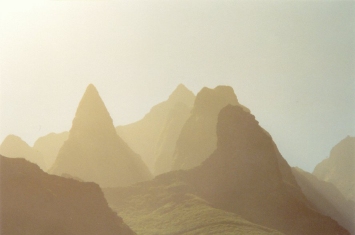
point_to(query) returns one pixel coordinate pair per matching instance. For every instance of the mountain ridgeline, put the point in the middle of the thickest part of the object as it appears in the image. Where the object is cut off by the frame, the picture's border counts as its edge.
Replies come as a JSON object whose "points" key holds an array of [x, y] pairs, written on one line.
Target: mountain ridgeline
{"points": [[14, 147], [94, 152], [147, 136], [198, 136], [243, 176], [338, 169]]}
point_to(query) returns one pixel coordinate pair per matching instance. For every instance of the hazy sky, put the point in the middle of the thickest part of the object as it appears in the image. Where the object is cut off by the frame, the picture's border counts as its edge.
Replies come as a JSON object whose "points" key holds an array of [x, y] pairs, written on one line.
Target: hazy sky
{"points": [[291, 63]]}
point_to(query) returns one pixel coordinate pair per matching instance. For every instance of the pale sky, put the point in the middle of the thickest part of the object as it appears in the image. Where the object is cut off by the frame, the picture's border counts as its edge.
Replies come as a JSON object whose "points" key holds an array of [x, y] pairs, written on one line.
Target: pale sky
{"points": [[292, 63]]}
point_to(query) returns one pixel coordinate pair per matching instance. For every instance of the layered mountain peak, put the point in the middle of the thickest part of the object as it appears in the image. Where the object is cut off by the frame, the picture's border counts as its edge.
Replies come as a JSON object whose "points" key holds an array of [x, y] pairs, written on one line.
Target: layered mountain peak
{"points": [[245, 156], [94, 152], [182, 94], [198, 138], [144, 136], [14, 147], [339, 167], [92, 114], [244, 176], [212, 100]]}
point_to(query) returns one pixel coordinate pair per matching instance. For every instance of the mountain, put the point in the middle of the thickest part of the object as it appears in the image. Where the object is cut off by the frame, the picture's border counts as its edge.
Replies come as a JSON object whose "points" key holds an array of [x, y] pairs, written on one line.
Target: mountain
{"points": [[49, 146], [327, 199], [169, 206], [94, 152], [338, 169], [244, 176], [14, 147], [168, 137], [143, 136], [198, 139], [34, 203]]}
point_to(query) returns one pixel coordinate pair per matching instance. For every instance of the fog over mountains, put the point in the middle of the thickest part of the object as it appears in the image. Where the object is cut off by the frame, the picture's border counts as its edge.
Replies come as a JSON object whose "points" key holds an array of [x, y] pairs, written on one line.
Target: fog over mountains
{"points": [[177, 117]]}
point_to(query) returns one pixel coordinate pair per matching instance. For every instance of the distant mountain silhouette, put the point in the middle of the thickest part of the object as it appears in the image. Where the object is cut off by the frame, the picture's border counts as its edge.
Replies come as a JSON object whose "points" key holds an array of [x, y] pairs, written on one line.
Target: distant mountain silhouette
{"points": [[338, 169], [49, 146], [327, 199], [34, 202], [14, 147], [168, 137], [244, 176], [143, 136], [94, 152], [198, 138]]}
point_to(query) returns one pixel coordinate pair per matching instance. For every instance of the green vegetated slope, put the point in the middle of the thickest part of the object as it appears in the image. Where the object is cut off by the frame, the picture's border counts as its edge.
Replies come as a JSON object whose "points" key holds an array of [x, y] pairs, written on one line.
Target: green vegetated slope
{"points": [[168, 207]]}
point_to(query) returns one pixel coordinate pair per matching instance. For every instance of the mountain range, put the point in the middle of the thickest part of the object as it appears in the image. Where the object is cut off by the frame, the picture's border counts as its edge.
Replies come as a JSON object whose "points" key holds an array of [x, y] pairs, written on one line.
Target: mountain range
{"points": [[244, 176]]}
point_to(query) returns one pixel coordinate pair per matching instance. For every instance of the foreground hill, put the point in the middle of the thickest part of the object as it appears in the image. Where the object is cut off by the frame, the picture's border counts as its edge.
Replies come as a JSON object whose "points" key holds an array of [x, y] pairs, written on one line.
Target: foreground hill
{"points": [[244, 176], [94, 152], [338, 169], [49, 146], [327, 199], [144, 136], [14, 147], [35, 203]]}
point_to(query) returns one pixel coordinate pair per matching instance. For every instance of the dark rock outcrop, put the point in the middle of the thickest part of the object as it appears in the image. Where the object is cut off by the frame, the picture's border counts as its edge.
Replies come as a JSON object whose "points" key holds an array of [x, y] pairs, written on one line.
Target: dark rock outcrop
{"points": [[34, 203], [94, 152]]}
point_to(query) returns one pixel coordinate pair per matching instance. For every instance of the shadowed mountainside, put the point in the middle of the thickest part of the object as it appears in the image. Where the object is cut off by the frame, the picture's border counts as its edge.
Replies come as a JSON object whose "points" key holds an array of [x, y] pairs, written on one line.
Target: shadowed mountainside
{"points": [[242, 176], [94, 152], [168, 137], [327, 199], [338, 169], [35, 203], [14, 147], [198, 138], [49, 146], [144, 136]]}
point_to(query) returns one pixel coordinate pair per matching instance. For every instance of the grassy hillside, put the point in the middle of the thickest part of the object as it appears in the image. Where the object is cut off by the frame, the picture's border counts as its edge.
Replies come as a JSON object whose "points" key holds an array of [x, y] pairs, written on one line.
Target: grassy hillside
{"points": [[172, 208]]}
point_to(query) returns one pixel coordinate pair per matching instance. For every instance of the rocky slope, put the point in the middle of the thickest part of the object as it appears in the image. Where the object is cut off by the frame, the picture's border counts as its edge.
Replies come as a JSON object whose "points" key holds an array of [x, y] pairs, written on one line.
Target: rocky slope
{"points": [[144, 136], [338, 169], [327, 199], [94, 152], [49, 146], [244, 176], [198, 138], [35, 203]]}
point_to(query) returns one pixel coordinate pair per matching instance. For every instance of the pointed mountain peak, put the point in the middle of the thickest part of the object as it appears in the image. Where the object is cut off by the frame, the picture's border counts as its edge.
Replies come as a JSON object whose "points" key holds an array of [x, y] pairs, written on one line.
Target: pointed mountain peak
{"points": [[92, 111], [212, 100], [182, 94]]}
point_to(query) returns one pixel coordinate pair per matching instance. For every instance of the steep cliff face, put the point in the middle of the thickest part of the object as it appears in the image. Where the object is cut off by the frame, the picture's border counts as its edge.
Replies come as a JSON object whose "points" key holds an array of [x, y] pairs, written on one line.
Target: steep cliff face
{"points": [[243, 175], [167, 140], [34, 203], [49, 146], [14, 147], [327, 199], [94, 152], [198, 138], [144, 136], [338, 169]]}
